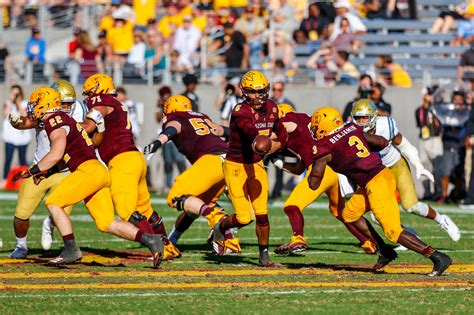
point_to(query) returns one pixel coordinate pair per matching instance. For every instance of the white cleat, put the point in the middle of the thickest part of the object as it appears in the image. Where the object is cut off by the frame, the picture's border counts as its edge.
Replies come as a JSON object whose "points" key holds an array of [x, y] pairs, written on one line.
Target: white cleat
{"points": [[47, 233], [449, 226], [400, 248]]}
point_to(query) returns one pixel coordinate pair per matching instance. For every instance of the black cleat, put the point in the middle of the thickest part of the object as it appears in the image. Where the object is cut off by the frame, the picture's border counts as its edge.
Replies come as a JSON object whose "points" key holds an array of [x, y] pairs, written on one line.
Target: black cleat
{"points": [[154, 242], [441, 262], [382, 261]]}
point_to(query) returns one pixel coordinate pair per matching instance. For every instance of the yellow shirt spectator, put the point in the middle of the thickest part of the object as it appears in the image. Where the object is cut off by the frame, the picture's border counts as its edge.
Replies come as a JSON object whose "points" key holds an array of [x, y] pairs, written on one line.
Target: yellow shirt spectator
{"points": [[170, 22], [106, 23], [144, 10], [120, 37], [400, 77], [200, 22], [229, 3]]}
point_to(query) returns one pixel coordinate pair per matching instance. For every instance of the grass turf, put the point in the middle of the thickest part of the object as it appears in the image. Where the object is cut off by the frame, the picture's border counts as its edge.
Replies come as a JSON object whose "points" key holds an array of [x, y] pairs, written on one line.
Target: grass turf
{"points": [[331, 278]]}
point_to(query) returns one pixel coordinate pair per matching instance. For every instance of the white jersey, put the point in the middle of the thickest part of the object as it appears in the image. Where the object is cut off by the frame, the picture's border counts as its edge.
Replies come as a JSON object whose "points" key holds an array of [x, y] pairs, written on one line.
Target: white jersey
{"points": [[79, 112], [387, 128]]}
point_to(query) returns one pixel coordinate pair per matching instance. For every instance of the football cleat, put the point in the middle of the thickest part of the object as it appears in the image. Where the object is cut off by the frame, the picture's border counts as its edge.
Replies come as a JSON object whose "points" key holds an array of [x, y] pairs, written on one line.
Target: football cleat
{"points": [[217, 235], [171, 252], [369, 247], [265, 261], [381, 262], [67, 256], [297, 246], [154, 242], [232, 246], [19, 253], [401, 248], [450, 227], [47, 233], [441, 262], [216, 216]]}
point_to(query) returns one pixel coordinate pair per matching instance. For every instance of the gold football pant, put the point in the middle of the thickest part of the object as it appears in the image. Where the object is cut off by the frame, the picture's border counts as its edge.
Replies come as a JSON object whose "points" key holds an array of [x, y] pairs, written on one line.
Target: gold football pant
{"points": [[302, 196], [204, 179], [405, 184], [128, 185], [378, 196], [30, 195], [89, 182], [248, 189]]}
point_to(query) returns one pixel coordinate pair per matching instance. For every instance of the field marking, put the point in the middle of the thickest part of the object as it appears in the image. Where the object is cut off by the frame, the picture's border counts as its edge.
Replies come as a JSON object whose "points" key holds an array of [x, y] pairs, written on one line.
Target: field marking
{"points": [[46, 294], [235, 285], [315, 205], [395, 269]]}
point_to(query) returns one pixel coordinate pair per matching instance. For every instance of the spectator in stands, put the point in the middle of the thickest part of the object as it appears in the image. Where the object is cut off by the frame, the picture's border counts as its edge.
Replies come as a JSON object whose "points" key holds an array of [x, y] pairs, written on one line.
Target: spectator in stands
{"points": [[320, 61], [237, 54], [131, 109], [5, 63], [259, 10], [343, 10], [136, 58], [87, 56], [445, 20], [190, 81], [363, 91], [392, 74], [186, 40], [252, 28], [170, 22], [346, 73], [347, 40], [199, 18], [179, 65], [155, 51], [225, 15], [35, 48], [231, 96], [107, 21], [376, 96], [380, 9], [73, 43], [105, 52], [120, 35], [144, 10], [315, 23], [300, 38], [13, 138], [452, 161], [284, 17], [466, 65], [465, 32], [170, 153], [282, 50], [430, 145]]}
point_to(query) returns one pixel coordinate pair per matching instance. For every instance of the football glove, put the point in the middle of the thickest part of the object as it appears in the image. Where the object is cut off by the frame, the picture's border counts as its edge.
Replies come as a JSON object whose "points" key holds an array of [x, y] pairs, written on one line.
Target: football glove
{"points": [[14, 119], [421, 171], [277, 162], [97, 117], [152, 147], [21, 175]]}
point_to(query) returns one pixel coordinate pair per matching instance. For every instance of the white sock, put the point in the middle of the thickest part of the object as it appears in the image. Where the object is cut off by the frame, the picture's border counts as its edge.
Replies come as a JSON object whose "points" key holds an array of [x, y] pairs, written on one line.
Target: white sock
{"points": [[21, 242], [438, 218]]}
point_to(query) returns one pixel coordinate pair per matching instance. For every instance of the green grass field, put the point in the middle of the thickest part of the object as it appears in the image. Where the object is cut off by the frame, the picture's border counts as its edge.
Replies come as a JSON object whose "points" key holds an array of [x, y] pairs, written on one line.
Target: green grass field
{"points": [[332, 277]]}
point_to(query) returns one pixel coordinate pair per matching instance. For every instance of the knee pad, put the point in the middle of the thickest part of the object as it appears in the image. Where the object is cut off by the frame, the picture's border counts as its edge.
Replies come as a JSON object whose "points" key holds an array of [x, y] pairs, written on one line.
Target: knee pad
{"points": [[155, 220], [262, 220], [136, 217], [420, 208], [178, 202]]}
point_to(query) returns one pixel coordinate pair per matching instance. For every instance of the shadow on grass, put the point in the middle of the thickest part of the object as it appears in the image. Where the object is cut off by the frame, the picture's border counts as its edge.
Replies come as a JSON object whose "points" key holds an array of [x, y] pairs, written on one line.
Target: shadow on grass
{"points": [[328, 267]]}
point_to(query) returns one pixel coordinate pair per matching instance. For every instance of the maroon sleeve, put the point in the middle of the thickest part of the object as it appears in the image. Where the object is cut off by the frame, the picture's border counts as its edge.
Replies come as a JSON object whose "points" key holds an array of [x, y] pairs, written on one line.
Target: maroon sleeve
{"points": [[245, 124], [280, 131]]}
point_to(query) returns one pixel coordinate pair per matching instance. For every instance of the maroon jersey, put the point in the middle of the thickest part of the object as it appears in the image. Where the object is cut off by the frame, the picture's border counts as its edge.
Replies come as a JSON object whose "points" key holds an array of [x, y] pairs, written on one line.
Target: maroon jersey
{"points": [[79, 146], [300, 141], [118, 136], [246, 123], [195, 138], [350, 154]]}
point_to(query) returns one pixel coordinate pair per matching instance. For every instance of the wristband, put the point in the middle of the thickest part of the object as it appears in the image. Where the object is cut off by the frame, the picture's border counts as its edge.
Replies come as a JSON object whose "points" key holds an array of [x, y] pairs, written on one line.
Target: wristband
{"points": [[34, 170]]}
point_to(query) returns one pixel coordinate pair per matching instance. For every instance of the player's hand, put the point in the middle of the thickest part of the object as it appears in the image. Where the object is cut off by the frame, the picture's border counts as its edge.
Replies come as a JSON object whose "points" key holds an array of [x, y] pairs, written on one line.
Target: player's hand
{"points": [[152, 147], [21, 175], [97, 117], [421, 171], [37, 178], [278, 163], [14, 119]]}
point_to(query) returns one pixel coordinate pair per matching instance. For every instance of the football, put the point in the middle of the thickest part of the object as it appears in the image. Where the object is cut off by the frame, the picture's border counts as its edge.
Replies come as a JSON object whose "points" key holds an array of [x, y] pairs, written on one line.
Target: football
{"points": [[262, 144]]}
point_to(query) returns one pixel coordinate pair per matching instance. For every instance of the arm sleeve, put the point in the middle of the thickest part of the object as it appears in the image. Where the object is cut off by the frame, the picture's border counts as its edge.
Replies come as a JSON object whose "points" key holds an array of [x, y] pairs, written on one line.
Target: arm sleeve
{"points": [[245, 124], [409, 151], [280, 131]]}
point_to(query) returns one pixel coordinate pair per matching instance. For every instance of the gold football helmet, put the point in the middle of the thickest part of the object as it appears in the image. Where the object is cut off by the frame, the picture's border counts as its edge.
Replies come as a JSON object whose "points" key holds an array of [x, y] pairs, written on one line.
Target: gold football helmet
{"points": [[177, 103], [42, 101], [255, 87], [324, 121], [98, 84], [284, 109], [67, 94], [364, 114]]}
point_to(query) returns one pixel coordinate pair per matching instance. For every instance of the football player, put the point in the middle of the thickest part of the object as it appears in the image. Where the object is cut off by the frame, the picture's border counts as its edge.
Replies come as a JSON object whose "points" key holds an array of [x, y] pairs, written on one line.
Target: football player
{"points": [[126, 164], [301, 144], [30, 194], [345, 148], [198, 188], [364, 114], [89, 179], [244, 171]]}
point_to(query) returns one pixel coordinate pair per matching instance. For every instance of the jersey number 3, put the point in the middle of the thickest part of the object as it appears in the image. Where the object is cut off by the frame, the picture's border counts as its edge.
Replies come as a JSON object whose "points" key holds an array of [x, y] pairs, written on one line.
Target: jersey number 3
{"points": [[355, 141]]}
